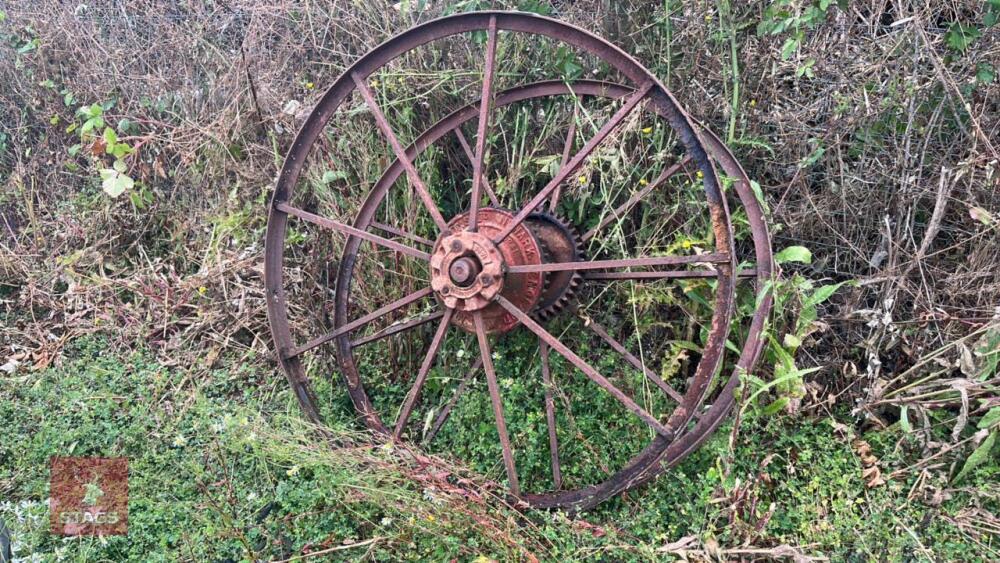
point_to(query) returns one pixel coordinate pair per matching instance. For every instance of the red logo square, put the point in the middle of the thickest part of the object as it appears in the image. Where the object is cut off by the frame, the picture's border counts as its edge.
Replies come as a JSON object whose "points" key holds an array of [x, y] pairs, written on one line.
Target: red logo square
{"points": [[89, 496]]}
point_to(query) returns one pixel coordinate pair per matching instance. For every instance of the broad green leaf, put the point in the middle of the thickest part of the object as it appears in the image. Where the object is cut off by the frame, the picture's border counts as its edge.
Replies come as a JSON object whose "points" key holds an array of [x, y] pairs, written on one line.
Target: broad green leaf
{"points": [[978, 457], [791, 44], [981, 215], [115, 182], [332, 176], [120, 150], [792, 341], [799, 254], [989, 351], [960, 37], [991, 418], [823, 293], [985, 73], [110, 138], [775, 406], [757, 191]]}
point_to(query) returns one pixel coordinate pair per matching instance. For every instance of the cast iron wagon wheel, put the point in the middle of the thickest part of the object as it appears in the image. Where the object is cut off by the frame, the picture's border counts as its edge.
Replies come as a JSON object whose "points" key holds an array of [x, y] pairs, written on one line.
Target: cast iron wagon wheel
{"points": [[493, 271]]}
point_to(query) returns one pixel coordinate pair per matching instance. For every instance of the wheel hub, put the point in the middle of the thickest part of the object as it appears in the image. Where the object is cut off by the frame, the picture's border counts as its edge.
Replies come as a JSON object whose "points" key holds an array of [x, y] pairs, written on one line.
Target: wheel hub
{"points": [[466, 270], [469, 270]]}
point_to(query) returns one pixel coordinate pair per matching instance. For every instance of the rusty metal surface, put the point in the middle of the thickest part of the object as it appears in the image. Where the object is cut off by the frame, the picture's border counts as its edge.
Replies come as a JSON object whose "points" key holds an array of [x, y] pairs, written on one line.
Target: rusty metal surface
{"points": [[561, 244], [543, 255], [497, 259]]}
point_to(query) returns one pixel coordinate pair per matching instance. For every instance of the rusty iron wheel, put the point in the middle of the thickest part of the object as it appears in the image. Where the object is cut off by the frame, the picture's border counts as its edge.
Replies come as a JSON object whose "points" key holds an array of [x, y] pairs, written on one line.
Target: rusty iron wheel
{"points": [[495, 271]]}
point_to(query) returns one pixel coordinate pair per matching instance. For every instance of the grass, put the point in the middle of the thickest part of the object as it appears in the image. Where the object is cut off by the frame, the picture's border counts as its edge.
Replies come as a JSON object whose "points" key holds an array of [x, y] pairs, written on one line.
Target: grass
{"points": [[222, 466], [222, 469]]}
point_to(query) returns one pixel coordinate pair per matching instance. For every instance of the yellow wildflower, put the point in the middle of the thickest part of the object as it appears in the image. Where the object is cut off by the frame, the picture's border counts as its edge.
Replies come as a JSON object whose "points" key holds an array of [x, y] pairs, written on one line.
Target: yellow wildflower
{"points": [[582, 179], [643, 182], [647, 130]]}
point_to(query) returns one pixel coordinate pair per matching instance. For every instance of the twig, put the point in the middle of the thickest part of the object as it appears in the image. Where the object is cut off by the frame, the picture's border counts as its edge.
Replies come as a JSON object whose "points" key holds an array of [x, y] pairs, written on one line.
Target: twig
{"points": [[331, 550]]}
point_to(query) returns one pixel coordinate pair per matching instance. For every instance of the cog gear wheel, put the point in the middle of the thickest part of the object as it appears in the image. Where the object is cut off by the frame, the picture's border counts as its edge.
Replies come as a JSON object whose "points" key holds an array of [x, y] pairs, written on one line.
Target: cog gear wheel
{"points": [[560, 243]]}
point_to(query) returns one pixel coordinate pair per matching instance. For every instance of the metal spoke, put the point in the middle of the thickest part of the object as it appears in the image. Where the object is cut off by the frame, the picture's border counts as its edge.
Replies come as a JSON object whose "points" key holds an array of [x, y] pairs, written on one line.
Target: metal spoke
{"points": [[349, 230], [397, 148], [713, 258], [396, 329], [567, 147], [630, 358], [664, 274], [491, 382], [486, 103], [550, 414], [397, 304], [401, 233], [587, 370], [577, 160], [425, 368], [446, 411], [619, 211], [472, 157]]}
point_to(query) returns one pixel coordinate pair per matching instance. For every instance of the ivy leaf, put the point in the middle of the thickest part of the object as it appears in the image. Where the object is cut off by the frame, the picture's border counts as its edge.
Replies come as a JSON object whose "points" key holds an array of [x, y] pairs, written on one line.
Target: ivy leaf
{"points": [[799, 254]]}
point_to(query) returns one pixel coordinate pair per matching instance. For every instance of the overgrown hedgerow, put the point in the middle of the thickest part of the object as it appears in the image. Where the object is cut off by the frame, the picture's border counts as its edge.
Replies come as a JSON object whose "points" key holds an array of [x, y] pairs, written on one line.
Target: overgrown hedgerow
{"points": [[138, 148]]}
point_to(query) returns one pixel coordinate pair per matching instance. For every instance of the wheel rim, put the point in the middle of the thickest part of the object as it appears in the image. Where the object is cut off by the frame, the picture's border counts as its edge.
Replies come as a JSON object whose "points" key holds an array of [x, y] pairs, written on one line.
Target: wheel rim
{"points": [[668, 447]]}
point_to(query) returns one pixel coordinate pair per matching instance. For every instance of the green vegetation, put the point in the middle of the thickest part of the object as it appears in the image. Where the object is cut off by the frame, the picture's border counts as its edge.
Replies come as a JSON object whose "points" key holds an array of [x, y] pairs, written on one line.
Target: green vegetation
{"points": [[221, 469], [136, 326]]}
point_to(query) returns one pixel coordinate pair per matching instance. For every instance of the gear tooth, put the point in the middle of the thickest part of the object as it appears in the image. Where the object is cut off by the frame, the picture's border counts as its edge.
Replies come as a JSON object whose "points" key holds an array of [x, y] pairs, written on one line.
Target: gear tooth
{"points": [[567, 291]]}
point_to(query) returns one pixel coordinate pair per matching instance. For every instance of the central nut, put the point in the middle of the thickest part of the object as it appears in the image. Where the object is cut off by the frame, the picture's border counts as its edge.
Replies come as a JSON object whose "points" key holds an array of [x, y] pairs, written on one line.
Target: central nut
{"points": [[464, 271]]}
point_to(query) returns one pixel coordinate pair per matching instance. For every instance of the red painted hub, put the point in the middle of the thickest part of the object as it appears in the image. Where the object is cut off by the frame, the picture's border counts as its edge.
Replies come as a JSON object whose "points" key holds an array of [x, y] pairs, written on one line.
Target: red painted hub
{"points": [[468, 270]]}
